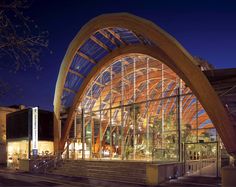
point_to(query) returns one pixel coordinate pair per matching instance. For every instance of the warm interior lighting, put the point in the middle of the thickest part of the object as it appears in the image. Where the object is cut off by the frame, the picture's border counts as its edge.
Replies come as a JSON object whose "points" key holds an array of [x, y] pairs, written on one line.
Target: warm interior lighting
{"points": [[19, 149], [136, 109]]}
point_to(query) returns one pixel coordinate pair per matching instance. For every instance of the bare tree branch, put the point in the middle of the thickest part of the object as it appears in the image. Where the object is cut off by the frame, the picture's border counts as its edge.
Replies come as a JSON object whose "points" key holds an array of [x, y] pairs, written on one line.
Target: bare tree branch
{"points": [[21, 42]]}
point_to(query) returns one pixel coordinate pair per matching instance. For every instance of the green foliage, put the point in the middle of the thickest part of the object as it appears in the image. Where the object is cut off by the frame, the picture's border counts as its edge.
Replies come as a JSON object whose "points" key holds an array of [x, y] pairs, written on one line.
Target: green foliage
{"points": [[186, 133], [134, 112]]}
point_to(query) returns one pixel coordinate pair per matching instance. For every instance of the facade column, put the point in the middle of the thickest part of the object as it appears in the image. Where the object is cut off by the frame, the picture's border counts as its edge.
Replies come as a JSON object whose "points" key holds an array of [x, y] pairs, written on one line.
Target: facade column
{"points": [[100, 126], [134, 99], [179, 120], [111, 117], [57, 133], [197, 118], [122, 112], [162, 105], [75, 133], [83, 133], [147, 110], [75, 125], [91, 125]]}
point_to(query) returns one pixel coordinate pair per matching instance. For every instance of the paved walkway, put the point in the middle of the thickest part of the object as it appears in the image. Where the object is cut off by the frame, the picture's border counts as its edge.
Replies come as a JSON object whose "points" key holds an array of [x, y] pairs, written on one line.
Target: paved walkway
{"points": [[15, 178], [195, 181]]}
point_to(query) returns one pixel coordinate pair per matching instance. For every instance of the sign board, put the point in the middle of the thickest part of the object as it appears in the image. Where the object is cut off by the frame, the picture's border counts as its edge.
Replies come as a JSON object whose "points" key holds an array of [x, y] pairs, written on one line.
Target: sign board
{"points": [[35, 130]]}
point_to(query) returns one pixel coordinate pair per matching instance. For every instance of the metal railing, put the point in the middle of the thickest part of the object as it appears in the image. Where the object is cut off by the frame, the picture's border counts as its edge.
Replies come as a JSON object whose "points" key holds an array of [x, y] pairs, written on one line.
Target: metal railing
{"points": [[194, 166], [44, 164]]}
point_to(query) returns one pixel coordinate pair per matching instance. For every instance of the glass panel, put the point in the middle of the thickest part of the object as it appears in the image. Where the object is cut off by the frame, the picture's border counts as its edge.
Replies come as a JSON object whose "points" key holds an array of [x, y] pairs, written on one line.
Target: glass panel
{"points": [[116, 84], [207, 135], [95, 134], [17, 150], [188, 135], [170, 114], [105, 134], [170, 146], [88, 135], [189, 111], [128, 65], [128, 133], [140, 79], [132, 111], [140, 131], [75, 147], [105, 95]]}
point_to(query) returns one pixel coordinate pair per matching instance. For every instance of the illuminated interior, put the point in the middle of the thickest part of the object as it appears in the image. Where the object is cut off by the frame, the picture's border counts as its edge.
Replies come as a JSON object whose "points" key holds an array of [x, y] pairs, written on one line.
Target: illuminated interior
{"points": [[19, 149], [138, 109]]}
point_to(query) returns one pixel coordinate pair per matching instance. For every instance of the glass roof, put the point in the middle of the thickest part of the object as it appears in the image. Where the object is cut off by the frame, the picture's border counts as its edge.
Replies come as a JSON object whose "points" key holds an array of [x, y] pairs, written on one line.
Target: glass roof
{"points": [[100, 44], [92, 51]]}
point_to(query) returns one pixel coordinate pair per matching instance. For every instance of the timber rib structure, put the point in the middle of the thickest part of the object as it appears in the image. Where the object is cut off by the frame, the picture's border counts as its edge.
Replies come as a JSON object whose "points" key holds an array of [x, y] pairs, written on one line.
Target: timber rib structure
{"points": [[125, 81]]}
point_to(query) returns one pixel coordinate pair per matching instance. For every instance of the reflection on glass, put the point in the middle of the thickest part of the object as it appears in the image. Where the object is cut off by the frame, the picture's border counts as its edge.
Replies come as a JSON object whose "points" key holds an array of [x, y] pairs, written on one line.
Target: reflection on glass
{"points": [[19, 149], [138, 109]]}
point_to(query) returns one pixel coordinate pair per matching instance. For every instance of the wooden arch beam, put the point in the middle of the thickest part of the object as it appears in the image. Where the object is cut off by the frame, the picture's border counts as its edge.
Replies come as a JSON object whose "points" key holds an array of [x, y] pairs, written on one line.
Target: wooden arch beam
{"points": [[167, 50]]}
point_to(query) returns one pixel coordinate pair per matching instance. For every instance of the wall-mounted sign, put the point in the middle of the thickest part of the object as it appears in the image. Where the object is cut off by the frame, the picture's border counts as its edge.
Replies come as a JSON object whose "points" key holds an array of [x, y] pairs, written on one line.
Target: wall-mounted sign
{"points": [[35, 130]]}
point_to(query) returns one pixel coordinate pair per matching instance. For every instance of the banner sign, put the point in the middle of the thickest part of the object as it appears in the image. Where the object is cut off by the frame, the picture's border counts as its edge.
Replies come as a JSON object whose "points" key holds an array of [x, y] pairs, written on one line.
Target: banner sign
{"points": [[35, 130]]}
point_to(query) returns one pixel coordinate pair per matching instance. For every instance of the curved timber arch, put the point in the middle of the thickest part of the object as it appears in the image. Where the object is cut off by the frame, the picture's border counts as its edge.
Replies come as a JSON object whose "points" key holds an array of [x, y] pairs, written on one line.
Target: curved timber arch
{"points": [[164, 48]]}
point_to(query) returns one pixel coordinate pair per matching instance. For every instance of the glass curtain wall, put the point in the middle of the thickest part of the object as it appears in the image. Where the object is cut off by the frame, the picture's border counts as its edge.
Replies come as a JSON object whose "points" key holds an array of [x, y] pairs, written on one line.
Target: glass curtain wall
{"points": [[139, 109]]}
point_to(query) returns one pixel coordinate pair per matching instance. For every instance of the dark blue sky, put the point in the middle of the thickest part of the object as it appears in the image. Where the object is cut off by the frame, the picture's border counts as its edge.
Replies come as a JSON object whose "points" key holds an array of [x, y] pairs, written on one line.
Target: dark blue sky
{"points": [[205, 28]]}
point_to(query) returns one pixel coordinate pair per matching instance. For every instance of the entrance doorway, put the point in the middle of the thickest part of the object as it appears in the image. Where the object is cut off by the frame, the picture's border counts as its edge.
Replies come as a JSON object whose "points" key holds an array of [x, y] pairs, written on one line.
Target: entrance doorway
{"points": [[202, 159]]}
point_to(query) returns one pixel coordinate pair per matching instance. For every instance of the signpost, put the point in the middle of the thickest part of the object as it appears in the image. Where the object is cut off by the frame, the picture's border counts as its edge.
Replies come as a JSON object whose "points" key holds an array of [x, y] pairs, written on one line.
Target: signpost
{"points": [[35, 131]]}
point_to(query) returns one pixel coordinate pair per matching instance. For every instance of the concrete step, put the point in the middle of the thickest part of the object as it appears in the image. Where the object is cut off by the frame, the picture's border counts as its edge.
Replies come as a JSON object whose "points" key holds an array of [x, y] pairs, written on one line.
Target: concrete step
{"points": [[119, 165], [137, 180], [97, 172], [79, 170], [105, 162], [108, 165], [133, 175], [110, 169], [133, 172], [105, 166]]}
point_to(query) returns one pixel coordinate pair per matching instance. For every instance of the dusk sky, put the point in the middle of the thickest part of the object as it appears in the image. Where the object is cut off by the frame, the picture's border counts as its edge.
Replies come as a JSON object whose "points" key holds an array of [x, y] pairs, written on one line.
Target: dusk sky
{"points": [[205, 28]]}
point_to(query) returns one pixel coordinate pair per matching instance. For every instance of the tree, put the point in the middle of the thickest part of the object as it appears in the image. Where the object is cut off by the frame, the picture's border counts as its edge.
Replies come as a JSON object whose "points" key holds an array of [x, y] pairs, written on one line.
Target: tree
{"points": [[21, 41]]}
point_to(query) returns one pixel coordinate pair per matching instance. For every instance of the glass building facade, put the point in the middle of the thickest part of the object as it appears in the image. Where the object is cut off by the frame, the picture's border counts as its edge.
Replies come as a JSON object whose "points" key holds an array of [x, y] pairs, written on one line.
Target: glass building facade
{"points": [[19, 136], [137, 108]]}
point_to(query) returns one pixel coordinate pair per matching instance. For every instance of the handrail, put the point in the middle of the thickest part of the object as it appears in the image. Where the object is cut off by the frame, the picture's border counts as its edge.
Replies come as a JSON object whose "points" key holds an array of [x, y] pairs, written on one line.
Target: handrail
{"points": [[41, 165]]}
